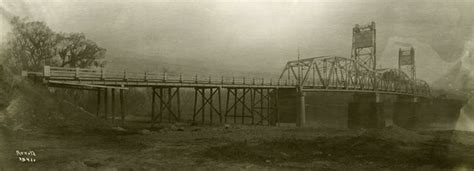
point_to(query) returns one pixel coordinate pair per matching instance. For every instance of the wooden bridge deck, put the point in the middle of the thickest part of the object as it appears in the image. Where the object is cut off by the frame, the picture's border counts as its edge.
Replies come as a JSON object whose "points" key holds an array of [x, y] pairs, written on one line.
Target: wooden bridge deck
{"points": [[100, 78]]}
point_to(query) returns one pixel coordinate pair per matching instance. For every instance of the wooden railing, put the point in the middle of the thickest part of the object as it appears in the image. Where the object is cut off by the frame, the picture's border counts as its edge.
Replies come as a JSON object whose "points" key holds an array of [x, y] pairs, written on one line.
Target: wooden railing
{"points": [[102, 76], [60, 73]]}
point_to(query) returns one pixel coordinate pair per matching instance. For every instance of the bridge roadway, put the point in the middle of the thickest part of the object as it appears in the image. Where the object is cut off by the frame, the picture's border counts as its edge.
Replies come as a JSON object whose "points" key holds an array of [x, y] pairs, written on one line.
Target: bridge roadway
{"points": [[254, 100], [101, 78]]}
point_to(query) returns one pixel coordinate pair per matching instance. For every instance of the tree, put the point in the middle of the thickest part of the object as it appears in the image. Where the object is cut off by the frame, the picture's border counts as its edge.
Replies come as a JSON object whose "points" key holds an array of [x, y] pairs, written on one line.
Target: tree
{"points": [[74, 50], [30, 45]]}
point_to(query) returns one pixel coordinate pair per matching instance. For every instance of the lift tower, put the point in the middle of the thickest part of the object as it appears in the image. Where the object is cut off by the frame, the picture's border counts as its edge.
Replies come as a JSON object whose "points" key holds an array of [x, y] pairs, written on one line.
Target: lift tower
{"points": [[363, 45]]}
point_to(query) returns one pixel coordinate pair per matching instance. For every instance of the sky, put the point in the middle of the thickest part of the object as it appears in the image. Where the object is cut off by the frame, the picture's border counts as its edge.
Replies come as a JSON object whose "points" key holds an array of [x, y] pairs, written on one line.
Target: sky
{"points": [[255, 35]]}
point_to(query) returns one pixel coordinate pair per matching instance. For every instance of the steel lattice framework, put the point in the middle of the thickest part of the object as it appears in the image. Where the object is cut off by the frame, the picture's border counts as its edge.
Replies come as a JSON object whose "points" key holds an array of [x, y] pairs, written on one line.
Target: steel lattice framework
{"points": [[364, 45], [340, 73]]}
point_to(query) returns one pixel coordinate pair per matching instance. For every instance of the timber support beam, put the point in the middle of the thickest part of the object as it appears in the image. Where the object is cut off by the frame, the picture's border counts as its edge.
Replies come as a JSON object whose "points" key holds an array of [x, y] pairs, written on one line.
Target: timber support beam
{"points": [[169, 103], [207, 98], [108, 97]]}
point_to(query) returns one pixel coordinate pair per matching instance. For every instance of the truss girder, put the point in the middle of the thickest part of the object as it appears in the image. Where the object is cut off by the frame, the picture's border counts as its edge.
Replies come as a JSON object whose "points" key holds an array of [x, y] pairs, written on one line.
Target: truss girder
{"points": [[333, 72]]}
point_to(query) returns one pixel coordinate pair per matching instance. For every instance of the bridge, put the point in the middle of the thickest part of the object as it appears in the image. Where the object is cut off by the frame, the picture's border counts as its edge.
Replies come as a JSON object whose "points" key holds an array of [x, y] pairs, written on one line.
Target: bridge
{"points": [[250, 100]]}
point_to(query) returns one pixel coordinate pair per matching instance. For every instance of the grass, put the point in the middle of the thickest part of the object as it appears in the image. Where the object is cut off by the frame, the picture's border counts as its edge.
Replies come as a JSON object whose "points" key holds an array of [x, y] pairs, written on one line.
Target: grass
{"points": [[362, 149]]}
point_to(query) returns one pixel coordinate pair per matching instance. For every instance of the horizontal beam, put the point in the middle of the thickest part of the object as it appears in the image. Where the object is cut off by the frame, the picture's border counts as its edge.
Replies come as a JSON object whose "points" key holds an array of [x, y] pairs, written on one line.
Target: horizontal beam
{"points": [[170, 84], [362, 91], [58, 83]]}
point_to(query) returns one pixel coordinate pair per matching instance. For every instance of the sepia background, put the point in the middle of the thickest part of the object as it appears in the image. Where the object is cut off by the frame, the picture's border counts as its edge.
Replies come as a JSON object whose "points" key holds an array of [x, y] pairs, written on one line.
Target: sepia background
{"points": [[257, 38]]}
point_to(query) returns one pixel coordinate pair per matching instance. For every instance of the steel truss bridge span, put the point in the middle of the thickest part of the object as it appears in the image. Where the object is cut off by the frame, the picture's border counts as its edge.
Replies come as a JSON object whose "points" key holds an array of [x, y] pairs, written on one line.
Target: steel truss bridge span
{"points": [[334, 73]]}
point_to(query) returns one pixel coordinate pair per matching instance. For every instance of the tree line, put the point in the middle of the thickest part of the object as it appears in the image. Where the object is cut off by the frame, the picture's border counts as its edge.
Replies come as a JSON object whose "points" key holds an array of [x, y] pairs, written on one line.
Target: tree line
{"points": [[32, 44]]}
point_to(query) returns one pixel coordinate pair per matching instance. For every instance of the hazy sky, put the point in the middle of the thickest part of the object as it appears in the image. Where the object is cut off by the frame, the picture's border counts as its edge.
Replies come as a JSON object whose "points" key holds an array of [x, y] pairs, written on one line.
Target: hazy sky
{"points": [[258, 35]]}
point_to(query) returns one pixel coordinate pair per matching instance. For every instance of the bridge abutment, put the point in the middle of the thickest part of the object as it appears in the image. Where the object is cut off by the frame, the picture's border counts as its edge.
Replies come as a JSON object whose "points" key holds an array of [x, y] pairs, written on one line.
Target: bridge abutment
{"points": [[366, 111]]}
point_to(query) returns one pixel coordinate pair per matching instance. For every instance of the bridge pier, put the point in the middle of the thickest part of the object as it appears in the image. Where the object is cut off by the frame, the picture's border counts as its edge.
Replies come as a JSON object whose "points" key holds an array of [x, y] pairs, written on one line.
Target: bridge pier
{"points": [[302, 110], [366, 111], [406, 111]]}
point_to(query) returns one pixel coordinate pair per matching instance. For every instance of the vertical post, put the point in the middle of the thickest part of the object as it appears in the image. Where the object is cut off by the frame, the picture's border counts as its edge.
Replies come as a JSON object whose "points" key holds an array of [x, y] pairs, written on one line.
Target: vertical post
{"points": [[153, 104], [122, 108], [277, 104], [113, 105], [180, 77], [244, 92], [106, 102], [235, 104], [375, 46], [399, 56], [302, 113], [203, 96], [179, 103], [210, 102], [262, 109], [313, 75], [226, 105], [164, 77], [268, 106], [288, 73], [161, 96], [220, 108], [98, 102], [195, 103], [299, 67], [125, 75], [76, 74], [47, 71], [412, 52], [169, 104], [252, 103]]}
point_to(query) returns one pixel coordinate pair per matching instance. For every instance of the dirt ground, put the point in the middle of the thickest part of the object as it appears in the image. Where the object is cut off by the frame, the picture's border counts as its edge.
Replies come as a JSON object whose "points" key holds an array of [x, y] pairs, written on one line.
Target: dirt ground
{"points": [[237, 147]]}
